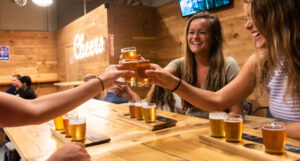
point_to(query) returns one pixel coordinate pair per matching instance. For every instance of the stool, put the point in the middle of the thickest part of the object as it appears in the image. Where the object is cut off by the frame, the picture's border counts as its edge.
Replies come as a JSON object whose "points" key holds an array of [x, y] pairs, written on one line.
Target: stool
{"points": [[10, 152]]}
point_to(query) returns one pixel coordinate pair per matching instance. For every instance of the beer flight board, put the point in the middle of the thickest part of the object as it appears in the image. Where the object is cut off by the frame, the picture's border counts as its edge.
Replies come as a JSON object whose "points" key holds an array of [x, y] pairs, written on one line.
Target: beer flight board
{"points": [[160, 123], [92, 138], [247, 149]]}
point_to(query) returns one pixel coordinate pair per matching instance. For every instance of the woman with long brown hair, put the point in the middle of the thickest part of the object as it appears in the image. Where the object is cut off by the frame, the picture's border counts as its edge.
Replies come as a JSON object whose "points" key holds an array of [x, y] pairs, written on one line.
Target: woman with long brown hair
{"points": [[275, 66], [203, 64]]}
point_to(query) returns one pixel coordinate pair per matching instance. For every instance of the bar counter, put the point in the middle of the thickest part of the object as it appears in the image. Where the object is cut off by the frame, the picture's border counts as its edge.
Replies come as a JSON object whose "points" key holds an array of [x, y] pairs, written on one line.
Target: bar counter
{"points": [[131, 142]]}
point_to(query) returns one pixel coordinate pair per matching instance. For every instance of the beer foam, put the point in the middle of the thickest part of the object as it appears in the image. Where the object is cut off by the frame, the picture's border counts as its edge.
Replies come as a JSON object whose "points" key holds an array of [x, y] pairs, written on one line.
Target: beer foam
{"points": [[235, 120], [217, 115], [76, 122], [274, 127]]}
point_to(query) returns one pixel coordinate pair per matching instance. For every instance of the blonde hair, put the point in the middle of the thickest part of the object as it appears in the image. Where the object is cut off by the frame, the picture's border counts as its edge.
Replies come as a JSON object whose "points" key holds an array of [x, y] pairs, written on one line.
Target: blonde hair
{"points": [[216, 75], [279, 21]]}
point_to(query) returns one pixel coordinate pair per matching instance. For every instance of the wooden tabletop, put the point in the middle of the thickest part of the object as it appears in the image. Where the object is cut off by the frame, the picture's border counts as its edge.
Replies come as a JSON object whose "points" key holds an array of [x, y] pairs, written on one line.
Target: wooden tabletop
{"points": [[131, 142]]}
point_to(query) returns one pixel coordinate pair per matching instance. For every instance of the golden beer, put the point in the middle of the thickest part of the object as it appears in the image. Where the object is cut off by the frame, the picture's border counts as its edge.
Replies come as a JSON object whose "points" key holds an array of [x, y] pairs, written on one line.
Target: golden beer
{"points": [[143, 79], [78, 127], [216, 121], [233, 128], [274, 137], [66, 122], [149, 112], [139, 111], [58, 123], [130, 65], [129, 53], [132, 108]]}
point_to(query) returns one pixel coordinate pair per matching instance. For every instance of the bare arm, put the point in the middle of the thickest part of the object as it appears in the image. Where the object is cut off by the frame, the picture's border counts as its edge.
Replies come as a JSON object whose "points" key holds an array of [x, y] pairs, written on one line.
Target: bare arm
{"points": [[15, 111], [231, 94], [133, 95], [292, 129]]}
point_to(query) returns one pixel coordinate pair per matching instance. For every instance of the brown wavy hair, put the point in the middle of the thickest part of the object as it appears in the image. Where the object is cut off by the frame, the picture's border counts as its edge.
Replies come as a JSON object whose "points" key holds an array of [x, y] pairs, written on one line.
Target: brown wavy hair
{"points": [[216, 75], [278, 21]]}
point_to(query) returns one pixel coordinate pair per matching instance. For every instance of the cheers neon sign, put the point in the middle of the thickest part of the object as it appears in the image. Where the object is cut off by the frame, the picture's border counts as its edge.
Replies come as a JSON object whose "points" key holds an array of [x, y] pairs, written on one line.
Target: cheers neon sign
{"points": [[86, 49]]}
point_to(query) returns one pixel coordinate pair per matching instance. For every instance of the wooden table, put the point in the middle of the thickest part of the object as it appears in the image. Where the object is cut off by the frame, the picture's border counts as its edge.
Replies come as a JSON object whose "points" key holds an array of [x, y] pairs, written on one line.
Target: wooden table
{"points": [[130, 142]]}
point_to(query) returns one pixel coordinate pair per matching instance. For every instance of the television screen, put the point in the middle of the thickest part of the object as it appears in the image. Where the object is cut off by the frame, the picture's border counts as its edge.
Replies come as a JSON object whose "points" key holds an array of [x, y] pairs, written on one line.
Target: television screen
{"points": [[189, 7]]}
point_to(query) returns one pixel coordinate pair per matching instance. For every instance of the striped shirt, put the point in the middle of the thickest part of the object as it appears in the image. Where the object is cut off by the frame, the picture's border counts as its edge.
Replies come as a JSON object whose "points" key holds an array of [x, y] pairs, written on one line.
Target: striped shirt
{"points": [[287, 110]]}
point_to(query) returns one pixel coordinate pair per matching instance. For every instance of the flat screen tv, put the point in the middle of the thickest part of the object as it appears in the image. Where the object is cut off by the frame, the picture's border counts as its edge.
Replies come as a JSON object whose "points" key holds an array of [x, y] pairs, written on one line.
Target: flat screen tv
{"points": [[190, 7]]}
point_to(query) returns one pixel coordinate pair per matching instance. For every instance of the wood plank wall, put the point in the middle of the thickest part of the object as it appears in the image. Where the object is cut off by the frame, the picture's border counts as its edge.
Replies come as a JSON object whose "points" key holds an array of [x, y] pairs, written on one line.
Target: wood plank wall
{"points": [[92, 25], [133, 26], [33, 54], [238, 42]]}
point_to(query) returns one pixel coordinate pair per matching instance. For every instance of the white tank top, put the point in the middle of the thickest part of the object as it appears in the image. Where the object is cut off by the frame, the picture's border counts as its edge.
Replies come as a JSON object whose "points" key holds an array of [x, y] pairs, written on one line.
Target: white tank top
{"points": [[284, 110]]}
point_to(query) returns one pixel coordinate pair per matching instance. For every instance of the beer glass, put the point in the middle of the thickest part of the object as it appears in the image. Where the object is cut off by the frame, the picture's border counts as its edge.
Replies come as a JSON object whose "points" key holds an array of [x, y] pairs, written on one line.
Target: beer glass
{"points": [[216, 121], [149, 112], [274, 137], [78, 127], [58, 123], [66, 121], [143, 79], [132, 108], [130, 65], [233, 128], [129, 53], [139, 111]]}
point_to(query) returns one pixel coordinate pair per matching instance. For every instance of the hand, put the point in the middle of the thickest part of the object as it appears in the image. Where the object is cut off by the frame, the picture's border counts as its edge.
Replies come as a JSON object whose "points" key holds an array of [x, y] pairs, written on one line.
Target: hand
{"points": [[161, 77], [112, 73], [71, 152]]}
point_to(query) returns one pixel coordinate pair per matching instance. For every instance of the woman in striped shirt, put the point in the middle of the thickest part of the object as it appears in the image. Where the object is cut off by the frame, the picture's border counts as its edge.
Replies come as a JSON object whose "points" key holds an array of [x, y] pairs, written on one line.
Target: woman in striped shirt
{"points": [[274, 68]]}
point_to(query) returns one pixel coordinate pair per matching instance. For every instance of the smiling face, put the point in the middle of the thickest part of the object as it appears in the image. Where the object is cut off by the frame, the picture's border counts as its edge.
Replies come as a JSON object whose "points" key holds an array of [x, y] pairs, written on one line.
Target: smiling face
{"points": [[260, 41], [199, 36]]}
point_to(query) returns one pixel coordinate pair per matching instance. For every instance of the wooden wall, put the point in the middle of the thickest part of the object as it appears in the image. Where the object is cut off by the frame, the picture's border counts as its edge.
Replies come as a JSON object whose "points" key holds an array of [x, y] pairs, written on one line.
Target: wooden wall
{"points": [[92, 25], [238, 42], [31, 53], [133, 26]]}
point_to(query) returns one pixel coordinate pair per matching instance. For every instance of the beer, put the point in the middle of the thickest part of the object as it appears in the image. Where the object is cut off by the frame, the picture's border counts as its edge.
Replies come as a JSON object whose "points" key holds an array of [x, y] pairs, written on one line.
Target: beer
{"points": [[66, 122], [58, 123], [233, 128], [143, 79], [139, 111], [130, 65], [274, 137], [129, 53], [78, 128], [149, 112], [216, 120], [132, 108]]}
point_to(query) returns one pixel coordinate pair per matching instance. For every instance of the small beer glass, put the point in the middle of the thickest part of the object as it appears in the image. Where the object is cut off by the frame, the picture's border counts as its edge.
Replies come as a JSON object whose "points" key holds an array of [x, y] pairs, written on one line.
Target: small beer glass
{"points": [[139, 111], [149, 112], [132, 108], [274, 137], [66, 121], [58, 123], [233, 127], [78, 127], [142, 66], [216, 121], [129, 53], [130, 65]]}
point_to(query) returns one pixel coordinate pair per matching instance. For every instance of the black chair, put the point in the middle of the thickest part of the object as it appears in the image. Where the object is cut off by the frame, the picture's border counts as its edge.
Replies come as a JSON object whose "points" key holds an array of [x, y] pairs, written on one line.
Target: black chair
{"points": [[268, 113]]}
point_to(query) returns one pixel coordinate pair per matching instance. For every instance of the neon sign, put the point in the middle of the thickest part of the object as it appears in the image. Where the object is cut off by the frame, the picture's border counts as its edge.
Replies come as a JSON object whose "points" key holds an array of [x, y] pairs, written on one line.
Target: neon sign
{"points": [[83, 49]]}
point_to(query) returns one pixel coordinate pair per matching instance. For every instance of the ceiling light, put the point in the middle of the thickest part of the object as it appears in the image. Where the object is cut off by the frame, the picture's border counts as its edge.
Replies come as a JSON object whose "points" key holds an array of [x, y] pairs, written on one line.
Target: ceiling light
{"points": [[21, 3], [43, 3]]}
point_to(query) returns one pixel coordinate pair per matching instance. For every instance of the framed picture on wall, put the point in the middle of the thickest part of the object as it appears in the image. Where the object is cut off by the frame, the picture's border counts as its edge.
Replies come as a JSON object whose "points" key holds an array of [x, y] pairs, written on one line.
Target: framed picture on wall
{"points": [[4, 53]]}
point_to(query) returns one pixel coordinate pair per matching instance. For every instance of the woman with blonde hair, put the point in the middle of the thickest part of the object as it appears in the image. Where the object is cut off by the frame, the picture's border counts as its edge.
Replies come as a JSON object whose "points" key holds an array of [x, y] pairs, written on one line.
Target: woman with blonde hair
{"points": [[274, 68], [203, 65]]}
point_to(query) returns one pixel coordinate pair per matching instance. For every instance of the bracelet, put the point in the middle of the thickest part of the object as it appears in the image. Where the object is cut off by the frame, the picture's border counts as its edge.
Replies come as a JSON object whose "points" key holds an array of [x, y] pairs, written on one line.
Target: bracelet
{"points": [[101, 82], [173, 90]]}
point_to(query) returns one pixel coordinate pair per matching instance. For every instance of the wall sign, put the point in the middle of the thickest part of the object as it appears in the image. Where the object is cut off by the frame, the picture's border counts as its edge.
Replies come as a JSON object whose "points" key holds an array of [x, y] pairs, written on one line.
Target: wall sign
{"points": [[83, 49], [4, 53], [111, 45]]}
